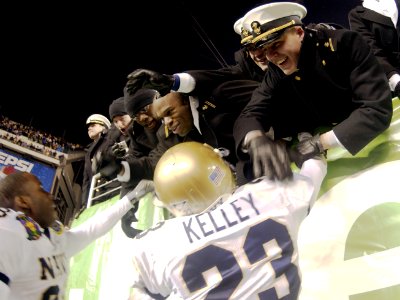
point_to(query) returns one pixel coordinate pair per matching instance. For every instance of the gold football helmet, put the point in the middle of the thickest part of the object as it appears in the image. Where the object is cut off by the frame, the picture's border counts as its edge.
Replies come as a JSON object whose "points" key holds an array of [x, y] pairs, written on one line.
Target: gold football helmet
{"points": [[190, 176]]}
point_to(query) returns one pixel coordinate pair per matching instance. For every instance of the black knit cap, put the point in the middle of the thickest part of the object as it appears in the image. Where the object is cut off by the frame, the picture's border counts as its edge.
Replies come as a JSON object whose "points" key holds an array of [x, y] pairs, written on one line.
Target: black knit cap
{"points": [[117, 108], [134, 103]]}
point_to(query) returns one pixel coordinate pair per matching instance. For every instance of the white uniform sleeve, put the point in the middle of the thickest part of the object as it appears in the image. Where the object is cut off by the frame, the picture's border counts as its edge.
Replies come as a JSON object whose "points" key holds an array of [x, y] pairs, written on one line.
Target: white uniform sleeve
{"points": [[329, 140], [184, 83], [126, 175], [138, 287], [4, 290], [394, 80], [315, 169], [11, 258], [80, 237]]}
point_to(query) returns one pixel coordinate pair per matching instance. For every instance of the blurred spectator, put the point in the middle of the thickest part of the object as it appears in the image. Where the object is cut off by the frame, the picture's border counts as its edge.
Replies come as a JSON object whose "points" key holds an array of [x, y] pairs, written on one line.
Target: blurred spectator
{"points": [[102, 133], [142, 139], [121, 140], [120, 117], [378, 22]]}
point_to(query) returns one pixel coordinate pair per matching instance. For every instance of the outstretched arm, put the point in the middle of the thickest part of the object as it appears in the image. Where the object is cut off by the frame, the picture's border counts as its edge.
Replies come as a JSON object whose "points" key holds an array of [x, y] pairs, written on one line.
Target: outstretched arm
{"points": [[80, 237], [4, 290], [315, 169]]}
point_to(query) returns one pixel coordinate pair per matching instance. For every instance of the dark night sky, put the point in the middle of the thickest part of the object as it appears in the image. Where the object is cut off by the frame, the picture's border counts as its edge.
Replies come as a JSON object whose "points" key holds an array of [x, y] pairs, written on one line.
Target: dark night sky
{"points": [[62, 62]]}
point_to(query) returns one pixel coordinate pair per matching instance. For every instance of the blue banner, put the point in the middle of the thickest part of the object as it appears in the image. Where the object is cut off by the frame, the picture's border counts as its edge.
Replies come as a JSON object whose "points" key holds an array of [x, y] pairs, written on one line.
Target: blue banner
{"points": [[11, 161]]}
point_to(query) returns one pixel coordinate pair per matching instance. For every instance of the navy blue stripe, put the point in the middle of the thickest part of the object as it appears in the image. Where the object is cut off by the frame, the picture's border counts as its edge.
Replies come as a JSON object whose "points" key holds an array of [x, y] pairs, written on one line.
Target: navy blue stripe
{"points": [[155, 296], [4, 278], [177, 83]]}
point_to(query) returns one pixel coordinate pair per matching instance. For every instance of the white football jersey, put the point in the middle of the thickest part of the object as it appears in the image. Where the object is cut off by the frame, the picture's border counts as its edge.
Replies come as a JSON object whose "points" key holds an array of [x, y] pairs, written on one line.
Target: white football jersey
{"points": [[34, 262], [243, 247]]}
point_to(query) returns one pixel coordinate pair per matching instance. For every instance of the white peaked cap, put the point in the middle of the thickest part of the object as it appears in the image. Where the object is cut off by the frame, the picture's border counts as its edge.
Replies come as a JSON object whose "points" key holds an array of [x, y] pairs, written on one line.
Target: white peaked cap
{"points": [[245, 35], [98, 119], [273, 18], [238, 26]]}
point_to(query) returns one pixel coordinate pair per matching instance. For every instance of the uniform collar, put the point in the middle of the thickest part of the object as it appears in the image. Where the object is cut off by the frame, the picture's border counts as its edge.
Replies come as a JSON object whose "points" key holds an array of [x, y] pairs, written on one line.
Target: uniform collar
{"points": [[194, 104]]}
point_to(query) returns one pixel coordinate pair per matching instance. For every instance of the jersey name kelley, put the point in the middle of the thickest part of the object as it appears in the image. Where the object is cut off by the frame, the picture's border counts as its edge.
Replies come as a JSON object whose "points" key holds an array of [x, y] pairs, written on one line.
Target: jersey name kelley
{"points": [[221, 218]]}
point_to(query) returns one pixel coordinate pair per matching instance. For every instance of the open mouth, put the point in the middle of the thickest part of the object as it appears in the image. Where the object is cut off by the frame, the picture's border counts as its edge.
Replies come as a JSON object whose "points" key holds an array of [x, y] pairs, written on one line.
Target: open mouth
{"points": [[151, 124], [175, 129], [282, 61]]}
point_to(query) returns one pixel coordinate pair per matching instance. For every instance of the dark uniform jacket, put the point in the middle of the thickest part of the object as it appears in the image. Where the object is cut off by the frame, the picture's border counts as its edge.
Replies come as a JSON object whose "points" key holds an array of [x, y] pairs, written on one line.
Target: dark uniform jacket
{"points": [[339, 84], [143, 168], [380, 33], [244, 69], [212, 82], [247, 67], [94, 162], [141, 142]]}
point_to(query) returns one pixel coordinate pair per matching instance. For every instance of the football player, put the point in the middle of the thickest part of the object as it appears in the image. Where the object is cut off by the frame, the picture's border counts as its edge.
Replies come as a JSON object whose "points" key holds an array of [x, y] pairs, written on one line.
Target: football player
{"points": [[35, 248], [224, 242]]}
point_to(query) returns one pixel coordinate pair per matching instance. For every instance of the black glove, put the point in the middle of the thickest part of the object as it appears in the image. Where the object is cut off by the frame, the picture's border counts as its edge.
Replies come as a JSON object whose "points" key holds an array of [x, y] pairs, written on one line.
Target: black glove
{"points": [[110, 167], [142, 78], [120, 150], [269, 158], [126, 222], [396, 91], [143, 187], [308, 147]]}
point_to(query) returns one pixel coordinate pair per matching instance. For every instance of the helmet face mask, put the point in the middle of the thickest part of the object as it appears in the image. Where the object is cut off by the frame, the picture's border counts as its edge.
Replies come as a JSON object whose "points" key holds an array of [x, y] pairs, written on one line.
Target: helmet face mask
{"points": [[191, 176], [186, 207]]}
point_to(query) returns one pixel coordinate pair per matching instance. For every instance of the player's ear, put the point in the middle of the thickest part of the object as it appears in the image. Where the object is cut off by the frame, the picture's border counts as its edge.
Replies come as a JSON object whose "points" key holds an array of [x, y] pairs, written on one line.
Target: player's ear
{"points": [[299, 31], [22, 203]]}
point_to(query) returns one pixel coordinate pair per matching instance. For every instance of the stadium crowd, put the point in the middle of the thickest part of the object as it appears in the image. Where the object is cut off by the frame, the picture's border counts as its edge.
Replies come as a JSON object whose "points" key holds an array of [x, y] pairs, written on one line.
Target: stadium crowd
{"points": [[34, 139]]}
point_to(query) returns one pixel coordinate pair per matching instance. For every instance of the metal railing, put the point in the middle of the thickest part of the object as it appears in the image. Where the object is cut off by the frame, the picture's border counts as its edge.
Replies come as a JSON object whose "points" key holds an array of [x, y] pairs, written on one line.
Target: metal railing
{"points": [[94, 187]]}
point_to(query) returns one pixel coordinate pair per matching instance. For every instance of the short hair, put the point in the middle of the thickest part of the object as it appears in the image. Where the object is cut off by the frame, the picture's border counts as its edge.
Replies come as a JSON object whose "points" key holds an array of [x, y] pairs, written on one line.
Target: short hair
{"points": [[11, 186], [184, 98]]}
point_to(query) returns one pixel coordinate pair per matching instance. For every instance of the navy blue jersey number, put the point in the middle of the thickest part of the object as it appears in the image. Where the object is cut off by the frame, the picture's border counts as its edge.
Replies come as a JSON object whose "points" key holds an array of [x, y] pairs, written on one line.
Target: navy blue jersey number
{"points": [[225, 262], [51, 293]]}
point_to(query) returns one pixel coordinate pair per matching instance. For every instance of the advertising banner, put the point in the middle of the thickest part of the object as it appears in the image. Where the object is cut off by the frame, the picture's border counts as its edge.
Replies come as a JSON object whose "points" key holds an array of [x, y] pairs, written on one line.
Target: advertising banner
{"points": [[11, 161], [349, 245]]}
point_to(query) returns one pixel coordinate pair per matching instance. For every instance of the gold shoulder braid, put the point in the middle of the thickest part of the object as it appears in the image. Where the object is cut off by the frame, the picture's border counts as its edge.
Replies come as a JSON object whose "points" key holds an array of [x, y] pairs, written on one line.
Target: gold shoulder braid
{"points": [[208, 104]]}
